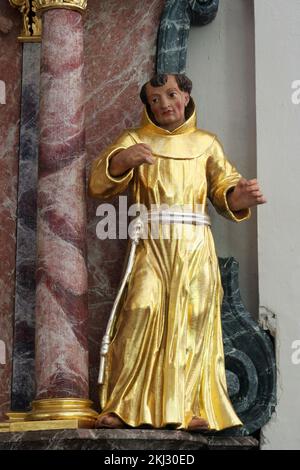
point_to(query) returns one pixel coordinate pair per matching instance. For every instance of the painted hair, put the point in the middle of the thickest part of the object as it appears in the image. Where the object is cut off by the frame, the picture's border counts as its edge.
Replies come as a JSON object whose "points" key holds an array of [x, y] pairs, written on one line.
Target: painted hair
{"points": [[160, 79]]}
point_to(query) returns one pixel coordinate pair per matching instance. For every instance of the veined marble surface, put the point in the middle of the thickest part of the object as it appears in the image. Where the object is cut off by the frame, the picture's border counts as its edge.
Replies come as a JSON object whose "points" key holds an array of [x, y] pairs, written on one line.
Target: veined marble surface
{"points": [[10, 74], [61, 294], [23, 378], [123, 439]]}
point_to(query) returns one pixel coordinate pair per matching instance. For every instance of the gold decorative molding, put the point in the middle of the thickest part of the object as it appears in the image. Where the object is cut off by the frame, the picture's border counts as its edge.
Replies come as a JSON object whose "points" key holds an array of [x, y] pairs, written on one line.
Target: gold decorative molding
{"points": [[16, 416], [31, 23], [78, 5], [62, 408], [4, 427], [52, 413], [23, 426]]}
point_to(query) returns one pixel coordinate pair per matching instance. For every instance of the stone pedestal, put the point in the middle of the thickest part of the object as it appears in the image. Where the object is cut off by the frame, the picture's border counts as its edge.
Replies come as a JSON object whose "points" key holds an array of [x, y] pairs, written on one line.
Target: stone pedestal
{"points": [[122, 439]]}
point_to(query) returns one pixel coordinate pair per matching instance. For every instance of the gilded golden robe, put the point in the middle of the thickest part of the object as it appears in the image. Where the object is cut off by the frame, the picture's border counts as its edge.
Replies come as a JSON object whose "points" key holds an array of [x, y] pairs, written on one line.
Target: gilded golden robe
{"points": [[166, 361]]}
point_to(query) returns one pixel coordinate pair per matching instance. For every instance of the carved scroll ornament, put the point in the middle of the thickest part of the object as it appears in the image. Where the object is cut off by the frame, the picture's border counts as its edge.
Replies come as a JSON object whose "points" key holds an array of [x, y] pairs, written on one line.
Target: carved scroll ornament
{"points": [[79, 5], [31, 23]]}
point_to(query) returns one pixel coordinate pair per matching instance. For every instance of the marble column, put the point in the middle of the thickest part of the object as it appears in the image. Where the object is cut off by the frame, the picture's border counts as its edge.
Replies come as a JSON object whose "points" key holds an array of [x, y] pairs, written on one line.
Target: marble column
{"points": [[61, 295], [23, 373], [23, 377]]}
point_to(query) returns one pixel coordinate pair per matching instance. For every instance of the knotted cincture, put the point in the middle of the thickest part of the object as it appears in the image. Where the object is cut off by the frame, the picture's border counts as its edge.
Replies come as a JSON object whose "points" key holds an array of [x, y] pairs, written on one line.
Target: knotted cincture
{"points": [[137, 230]]}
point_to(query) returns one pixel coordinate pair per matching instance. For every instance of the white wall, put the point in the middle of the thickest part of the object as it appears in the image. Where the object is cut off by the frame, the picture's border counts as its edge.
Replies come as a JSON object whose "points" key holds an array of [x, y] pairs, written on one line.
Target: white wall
{"points": [[222, 64], [277, 37], [222, 67]]}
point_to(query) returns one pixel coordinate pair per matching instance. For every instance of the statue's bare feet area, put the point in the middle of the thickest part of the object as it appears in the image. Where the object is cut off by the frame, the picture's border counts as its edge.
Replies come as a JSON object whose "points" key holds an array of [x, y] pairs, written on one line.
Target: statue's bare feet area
{"points": [[110, 420], [198, 424]]}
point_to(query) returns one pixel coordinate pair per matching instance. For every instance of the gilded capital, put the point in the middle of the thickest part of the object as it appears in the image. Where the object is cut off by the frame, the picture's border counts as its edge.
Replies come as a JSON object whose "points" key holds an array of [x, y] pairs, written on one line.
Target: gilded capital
{"points": [[31, 24], [79, 5]]}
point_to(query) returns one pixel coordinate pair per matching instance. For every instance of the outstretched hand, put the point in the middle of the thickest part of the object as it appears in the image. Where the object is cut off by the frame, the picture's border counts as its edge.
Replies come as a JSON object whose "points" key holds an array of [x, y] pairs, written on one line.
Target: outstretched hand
{"points": [[246, 194]]}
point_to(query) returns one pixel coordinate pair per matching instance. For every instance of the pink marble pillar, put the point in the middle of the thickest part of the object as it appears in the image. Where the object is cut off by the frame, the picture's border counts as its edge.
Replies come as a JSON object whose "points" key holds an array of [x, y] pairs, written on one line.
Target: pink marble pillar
{"points": [[61, 302]]}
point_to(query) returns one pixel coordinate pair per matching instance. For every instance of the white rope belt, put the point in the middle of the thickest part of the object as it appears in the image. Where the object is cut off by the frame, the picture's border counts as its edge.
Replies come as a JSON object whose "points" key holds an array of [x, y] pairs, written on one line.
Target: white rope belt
{"points": [[178, 217], [138, 225]]}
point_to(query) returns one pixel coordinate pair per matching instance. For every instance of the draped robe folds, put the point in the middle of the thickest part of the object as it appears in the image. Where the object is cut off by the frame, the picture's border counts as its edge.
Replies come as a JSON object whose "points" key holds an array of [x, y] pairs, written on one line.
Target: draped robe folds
{"points": [[165, 363]]}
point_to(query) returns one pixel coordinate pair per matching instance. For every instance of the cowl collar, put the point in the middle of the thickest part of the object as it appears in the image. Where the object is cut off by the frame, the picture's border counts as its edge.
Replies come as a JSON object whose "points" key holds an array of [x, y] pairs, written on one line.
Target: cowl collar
{"points": [[184, 143], [188, 126]]}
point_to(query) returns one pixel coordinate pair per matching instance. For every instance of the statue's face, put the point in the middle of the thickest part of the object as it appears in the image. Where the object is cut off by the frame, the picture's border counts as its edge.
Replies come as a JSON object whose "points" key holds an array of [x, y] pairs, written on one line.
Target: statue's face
{"points": [[168, 103]]}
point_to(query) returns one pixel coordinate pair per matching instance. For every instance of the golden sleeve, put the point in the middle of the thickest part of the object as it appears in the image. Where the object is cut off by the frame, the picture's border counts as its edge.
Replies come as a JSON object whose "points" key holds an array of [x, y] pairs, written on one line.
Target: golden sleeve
{"points": [[101, 183], [222, 177]]}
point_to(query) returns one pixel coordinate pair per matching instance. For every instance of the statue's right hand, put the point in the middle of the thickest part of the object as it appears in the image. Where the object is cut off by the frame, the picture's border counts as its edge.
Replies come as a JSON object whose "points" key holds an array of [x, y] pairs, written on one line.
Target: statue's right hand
{"points": [[129, 158]]}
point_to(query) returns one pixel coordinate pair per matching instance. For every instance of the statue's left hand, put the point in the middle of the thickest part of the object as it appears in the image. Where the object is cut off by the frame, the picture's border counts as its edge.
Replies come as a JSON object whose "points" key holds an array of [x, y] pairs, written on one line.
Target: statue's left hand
{"points": [[245, 194]]}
